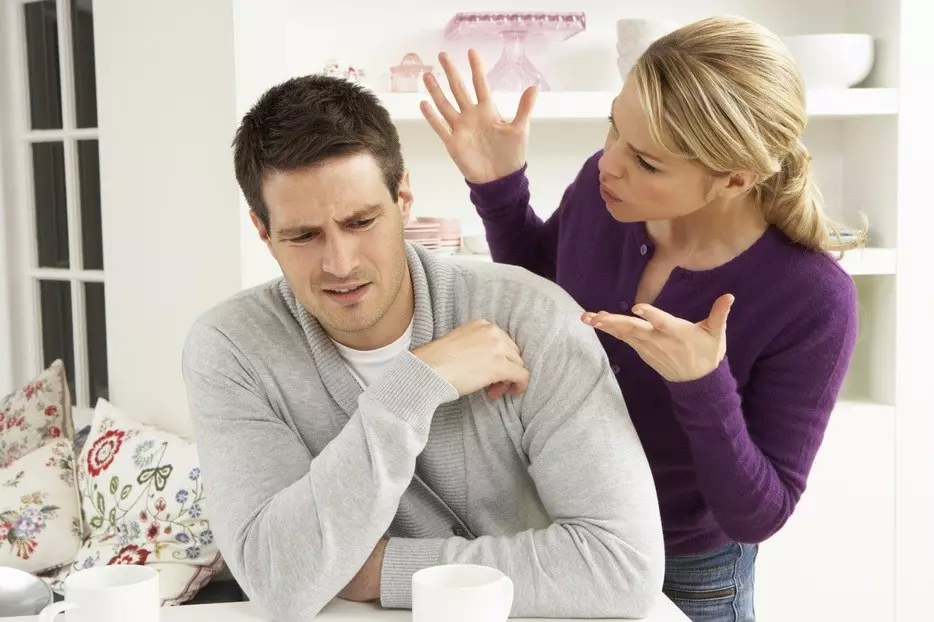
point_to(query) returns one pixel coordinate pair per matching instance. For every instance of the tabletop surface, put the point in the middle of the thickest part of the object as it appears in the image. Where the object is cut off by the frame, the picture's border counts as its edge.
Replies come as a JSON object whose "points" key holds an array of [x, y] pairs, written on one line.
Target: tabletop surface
{"points": [[342, 611]]}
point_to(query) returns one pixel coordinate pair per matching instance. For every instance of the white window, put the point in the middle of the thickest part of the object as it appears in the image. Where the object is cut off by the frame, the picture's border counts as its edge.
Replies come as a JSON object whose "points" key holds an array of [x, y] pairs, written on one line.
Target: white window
{"points": [[53, 247]]}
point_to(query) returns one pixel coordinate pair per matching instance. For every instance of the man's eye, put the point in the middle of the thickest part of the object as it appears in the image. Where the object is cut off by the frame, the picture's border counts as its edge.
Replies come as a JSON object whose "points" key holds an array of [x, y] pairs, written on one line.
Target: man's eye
{"points": [[362, 224]]}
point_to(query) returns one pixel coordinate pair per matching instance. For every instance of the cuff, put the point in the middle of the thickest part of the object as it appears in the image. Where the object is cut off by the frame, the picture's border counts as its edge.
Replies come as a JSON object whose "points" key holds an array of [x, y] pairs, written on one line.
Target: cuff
{"points": [[402, 559], [500, 192], [698, 401], [412, 391]]}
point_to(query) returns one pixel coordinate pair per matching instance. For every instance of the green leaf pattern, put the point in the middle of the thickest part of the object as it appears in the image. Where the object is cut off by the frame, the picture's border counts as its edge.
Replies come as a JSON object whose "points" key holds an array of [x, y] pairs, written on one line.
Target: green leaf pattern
{"points": [[159, 511]]}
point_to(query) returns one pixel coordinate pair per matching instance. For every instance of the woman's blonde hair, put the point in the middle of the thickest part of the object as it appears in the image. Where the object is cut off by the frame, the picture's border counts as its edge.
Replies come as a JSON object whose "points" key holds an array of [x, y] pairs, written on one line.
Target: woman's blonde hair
{"points": [[726, 93]]}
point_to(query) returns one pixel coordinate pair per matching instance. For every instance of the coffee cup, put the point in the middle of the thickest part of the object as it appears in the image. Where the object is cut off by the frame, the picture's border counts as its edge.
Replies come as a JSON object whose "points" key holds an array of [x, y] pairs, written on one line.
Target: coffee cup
{"points": [[461, 593], [108, 594]]}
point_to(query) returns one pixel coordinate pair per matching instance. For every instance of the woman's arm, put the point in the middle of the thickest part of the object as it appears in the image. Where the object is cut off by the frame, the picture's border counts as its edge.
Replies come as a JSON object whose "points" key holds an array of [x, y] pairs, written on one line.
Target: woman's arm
{"points": [[753, 451], [516, 235]]}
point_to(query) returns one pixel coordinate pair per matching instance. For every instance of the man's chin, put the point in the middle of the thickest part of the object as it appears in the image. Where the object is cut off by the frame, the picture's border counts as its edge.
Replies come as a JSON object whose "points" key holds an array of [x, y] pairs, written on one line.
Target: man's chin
{"points": [[345, 320]]}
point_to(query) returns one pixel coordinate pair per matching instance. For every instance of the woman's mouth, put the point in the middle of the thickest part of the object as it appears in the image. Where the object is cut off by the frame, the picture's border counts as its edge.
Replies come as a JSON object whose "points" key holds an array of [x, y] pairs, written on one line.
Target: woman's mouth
{"points": [[608, 196]]}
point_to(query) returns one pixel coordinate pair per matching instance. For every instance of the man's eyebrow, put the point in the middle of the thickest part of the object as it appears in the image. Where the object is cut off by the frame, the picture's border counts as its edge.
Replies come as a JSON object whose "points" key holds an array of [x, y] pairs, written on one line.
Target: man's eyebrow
{"points": [[364, 213], [295, 231]]}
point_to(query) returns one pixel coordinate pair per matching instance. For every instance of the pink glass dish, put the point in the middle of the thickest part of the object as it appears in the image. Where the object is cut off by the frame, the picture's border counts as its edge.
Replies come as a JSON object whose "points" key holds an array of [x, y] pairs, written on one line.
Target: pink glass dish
{"points": [[514, 71], [406, 77]]}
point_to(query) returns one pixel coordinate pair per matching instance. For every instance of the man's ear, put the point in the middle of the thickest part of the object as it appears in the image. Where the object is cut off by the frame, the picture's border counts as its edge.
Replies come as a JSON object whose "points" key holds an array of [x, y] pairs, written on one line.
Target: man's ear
{"points": [[260, 229], [405, 198]]}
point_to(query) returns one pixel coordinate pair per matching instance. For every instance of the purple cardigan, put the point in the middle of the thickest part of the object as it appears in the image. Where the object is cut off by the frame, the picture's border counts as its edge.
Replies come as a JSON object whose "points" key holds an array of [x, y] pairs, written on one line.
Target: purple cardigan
{"points": [[730, 452]]}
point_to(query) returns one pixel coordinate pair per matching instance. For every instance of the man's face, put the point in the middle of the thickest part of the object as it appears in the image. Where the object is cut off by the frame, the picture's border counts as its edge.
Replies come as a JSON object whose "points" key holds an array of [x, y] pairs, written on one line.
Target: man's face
{"points": [[337, 234]]}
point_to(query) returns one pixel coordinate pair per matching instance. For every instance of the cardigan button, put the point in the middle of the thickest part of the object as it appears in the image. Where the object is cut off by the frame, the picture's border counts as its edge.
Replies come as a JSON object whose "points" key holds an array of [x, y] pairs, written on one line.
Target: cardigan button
{"points": [[643, 249]]}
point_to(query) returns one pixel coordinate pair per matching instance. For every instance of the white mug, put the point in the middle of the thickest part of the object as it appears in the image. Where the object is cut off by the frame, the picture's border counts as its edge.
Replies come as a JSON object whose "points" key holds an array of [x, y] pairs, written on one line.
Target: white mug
{"points": [[109, 594], [461, 593]]}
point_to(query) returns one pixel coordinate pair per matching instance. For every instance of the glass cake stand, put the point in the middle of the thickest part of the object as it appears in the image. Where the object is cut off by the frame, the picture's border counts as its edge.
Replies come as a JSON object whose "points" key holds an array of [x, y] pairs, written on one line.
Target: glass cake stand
{"points": [[514, 71]]}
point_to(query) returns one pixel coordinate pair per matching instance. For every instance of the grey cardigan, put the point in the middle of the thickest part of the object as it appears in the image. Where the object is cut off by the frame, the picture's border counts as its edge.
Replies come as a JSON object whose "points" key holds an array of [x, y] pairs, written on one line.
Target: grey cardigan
{"points": [[305, 471]]}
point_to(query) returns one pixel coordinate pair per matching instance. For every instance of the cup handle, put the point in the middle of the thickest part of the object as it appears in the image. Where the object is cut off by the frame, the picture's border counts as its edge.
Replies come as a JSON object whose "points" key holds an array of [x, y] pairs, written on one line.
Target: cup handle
{"points": [[53, 609], [507, 596]]}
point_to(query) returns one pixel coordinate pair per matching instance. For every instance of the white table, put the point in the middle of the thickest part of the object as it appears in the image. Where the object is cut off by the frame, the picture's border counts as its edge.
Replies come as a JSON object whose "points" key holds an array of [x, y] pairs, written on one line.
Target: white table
{"points": [[339, 611]]}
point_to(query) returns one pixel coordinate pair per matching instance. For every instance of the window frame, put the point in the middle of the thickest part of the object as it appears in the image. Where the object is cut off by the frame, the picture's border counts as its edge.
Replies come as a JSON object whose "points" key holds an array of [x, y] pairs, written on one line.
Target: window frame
{"points": [[22, 272]]}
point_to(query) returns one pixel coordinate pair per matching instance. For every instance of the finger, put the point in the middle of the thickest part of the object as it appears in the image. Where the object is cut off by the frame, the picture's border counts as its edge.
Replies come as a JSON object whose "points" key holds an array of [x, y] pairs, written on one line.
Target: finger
{"points": [[480, 85], [514, 357], [439, 125], [620, 326], [526, 103], [716, 321], [497, 390], [661, 320], [516, 375], [454, 82], [447, 111], [509, 343]]}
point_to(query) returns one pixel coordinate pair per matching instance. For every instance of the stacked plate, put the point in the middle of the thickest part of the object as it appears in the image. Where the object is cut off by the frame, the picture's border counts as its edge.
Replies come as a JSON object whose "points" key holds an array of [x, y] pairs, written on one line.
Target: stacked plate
{"points": [[440, 235]]}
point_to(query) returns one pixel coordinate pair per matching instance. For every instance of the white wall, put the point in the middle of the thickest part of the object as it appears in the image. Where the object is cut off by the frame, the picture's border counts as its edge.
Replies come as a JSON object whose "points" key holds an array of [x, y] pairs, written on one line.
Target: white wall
{"points": [[262, 51], [165, 80]]}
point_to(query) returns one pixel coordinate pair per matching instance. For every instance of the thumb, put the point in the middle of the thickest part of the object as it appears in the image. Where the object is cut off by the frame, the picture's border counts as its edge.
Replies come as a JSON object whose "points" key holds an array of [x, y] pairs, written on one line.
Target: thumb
{"points": [[716, 322]]}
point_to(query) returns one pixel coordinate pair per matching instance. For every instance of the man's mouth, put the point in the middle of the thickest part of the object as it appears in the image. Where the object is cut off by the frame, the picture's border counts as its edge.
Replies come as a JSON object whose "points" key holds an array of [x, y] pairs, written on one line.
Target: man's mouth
{"points": [[344, 290], [349, 294]]}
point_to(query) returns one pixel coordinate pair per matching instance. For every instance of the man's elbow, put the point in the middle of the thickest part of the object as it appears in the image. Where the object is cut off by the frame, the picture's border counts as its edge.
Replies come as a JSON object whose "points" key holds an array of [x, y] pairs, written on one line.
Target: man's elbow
{"points": [[640, 582], [272, 583]]}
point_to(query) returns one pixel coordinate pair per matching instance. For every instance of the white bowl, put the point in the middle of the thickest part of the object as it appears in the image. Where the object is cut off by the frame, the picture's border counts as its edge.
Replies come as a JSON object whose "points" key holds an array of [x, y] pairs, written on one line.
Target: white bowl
{"points": [[476, 244], [832, 60], [634, 36], [625, 65], [643, 30]]}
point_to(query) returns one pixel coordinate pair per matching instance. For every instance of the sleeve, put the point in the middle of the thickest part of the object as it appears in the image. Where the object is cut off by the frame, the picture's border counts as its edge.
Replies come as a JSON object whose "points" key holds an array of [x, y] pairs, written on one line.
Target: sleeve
{"points": [[603, 554], [515, 234], [753, 451], [267, 493]]}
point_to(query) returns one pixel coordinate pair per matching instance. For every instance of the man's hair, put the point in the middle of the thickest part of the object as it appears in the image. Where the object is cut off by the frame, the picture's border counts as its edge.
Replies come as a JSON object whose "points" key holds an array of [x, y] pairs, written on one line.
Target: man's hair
{"points": [[305, 121]]}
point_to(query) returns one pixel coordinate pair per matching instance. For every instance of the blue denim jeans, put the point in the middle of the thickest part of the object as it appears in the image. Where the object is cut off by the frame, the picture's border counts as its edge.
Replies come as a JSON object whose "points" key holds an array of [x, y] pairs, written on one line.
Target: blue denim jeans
{"points": [[716, 586]]}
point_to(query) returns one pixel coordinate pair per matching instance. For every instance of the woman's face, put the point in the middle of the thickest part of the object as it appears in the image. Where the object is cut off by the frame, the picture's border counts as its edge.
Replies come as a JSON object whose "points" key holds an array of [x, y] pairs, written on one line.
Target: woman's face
{"points": [[639, 180]]}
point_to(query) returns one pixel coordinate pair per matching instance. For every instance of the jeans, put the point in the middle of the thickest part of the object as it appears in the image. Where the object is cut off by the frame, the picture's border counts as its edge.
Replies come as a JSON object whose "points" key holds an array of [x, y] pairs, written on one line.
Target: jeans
{"points": [[715, 586]]}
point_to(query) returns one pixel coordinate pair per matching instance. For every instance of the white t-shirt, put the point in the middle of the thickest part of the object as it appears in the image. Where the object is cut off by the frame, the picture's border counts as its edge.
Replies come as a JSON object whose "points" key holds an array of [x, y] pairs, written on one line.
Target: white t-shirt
{"points": [[367, 365]]}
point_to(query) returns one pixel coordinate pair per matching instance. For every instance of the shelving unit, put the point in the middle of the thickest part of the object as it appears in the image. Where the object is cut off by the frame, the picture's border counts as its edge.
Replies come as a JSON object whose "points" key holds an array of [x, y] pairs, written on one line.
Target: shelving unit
{"points": [[592, 105]]}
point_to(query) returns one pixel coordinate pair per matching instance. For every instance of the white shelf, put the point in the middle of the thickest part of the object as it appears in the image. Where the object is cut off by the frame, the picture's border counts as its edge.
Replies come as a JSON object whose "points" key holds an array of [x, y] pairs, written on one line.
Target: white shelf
{"points": [[862, 262], [595, 105], [869, 261], [863, 408]]}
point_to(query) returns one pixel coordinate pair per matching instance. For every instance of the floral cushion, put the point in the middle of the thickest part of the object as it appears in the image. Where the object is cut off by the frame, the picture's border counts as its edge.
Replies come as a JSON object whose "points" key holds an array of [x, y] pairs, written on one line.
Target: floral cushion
{"points": [[40, 512], [40, 412], [143, 500]]}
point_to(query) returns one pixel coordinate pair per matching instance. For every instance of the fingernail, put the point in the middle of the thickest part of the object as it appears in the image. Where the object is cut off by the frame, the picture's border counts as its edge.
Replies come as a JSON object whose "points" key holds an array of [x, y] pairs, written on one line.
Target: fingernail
{"points": [[638, 311]]}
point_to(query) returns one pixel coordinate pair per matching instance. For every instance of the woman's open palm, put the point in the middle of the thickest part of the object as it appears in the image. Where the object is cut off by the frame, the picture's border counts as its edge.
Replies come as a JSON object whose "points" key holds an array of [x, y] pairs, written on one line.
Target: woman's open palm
{"points": [[484, 146]]}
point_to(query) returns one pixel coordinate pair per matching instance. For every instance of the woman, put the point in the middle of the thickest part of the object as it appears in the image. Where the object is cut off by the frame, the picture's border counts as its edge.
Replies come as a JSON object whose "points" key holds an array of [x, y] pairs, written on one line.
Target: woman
{"points": [[702, 194]]}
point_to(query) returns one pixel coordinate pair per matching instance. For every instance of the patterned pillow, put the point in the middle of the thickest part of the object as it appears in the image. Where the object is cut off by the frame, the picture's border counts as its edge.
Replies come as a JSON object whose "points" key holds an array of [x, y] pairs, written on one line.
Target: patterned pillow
{"points": [[143, 501], [40, 412], [40, 512]]}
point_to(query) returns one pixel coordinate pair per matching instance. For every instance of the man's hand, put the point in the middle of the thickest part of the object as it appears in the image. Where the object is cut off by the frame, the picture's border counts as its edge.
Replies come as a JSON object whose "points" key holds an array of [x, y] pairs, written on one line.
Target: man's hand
{"points": [[365, 586], [475, 356]]}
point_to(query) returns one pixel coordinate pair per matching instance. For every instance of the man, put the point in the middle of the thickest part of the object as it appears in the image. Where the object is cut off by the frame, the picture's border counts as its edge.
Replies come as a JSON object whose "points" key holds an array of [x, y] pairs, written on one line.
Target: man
{"points": [[380, 409]]}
